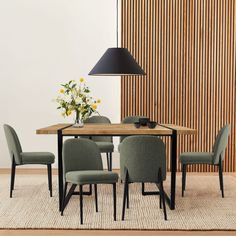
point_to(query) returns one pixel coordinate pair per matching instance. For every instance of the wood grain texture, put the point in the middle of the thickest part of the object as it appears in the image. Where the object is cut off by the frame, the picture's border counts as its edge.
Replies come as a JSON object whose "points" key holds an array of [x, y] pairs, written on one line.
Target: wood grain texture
{"points": [[116, 129], [188, 50], [52, 129]]}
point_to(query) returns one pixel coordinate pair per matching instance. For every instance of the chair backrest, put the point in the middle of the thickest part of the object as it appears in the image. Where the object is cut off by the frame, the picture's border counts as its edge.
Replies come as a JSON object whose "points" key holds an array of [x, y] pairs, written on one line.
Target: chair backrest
{"points": [[101, 120], [81, 154], [143, 156], [221, 143], [13, 143], [130, 120]]}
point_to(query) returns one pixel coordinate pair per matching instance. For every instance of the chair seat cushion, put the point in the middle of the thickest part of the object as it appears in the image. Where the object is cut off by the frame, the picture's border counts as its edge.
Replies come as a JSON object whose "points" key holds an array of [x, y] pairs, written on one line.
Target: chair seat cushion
{"points": [[91, 177], [37, 158], [196, 158], [105, 146]]}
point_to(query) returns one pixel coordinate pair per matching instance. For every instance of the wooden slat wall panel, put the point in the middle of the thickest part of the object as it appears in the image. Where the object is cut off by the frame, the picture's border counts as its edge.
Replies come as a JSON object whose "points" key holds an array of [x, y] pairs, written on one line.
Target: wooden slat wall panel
{"points": [[188, 50]]}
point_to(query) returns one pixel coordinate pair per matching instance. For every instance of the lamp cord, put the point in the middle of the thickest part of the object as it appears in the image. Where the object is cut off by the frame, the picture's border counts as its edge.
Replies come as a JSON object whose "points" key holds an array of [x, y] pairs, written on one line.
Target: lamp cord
{"points": [[117, 24]]}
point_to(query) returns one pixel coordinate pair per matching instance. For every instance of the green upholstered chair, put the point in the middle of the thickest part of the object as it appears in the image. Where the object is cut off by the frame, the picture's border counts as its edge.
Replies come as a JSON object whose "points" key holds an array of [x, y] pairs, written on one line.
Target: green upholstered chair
{"points": [[18, 157], [83, 166], [129, 120], [104, 143], [143, 160], [216, 157]]}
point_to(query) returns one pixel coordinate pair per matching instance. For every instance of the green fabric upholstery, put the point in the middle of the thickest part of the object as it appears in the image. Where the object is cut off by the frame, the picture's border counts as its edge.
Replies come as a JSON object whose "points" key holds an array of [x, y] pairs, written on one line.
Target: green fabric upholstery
{"points": [[104, 143], [132, 119], [196, 158], [221, 143], [91, 177], [13, 143], [129, 120], [105, 147], [83, 163], [22, 158], [213, 157], [43, 158], [99, 120], [81, 154], [143, 156]]}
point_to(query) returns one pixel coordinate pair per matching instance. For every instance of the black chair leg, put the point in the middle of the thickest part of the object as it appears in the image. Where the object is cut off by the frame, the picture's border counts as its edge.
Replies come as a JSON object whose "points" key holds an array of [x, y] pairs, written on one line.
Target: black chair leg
{"points": [[124, 201], [184, 170], [125, 194], [63, 199], [221, 179], [49, 167], [110, 162], [90, 189], [96, 197], [160, 200], [162, 193], [81, 203], [163, 199], [13, 173], [143, 189], [114, 200]]}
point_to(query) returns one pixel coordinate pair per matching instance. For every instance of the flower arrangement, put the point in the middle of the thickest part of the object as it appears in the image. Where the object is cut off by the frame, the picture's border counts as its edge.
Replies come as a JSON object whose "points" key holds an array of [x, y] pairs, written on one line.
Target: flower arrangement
{"points": [[75, 97]]}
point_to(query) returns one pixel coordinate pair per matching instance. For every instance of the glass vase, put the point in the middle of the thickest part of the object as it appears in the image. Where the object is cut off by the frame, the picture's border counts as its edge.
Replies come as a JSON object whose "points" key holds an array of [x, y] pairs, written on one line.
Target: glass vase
{"points": [[78, 121]]}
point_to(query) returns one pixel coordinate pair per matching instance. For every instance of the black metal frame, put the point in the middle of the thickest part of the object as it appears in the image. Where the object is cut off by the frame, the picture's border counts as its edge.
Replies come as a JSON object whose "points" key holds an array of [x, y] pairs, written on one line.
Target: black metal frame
{"points": [[161, 193], [220, 170], [66, 198], [169, 199], [109, 160], [13, 174], [144, 193]]}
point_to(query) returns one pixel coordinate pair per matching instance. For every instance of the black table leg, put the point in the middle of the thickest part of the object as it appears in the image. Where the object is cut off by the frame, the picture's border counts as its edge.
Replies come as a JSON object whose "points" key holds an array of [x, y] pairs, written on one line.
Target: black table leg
{"points": [[173, 168], [60, 167]]}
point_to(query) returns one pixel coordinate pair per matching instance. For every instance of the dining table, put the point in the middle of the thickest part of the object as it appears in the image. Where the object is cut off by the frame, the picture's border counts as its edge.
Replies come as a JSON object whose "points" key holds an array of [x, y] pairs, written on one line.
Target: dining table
{"points": [[169, 130]]}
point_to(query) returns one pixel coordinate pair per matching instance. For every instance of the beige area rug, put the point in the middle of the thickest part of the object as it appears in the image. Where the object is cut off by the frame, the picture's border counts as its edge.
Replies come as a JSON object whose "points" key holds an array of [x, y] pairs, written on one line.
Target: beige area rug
{"points": [[202, 208]]}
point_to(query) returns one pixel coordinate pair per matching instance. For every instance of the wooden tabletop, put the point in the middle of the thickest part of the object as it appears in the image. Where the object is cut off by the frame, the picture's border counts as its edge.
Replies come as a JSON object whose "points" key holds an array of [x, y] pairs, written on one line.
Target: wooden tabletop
{"points": [[52, 129], [181, 129], [115, 129]]}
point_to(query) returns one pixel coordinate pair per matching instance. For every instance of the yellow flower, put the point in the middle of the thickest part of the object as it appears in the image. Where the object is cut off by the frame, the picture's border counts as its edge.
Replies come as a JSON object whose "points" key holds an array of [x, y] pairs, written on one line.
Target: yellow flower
{"points": [[69, 112], [81, 80], [94, 106], [62, 91], [98, 101]]}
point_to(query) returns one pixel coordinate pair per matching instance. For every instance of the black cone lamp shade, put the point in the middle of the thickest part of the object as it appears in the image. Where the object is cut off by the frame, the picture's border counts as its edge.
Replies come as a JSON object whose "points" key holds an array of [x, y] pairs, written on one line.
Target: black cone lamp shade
{"points": [[117, 61]]}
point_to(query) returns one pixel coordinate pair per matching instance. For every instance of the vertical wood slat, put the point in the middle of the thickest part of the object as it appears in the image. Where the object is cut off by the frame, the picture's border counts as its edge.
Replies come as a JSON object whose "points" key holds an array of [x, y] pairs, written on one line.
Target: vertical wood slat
{"points": [[188, 50]]}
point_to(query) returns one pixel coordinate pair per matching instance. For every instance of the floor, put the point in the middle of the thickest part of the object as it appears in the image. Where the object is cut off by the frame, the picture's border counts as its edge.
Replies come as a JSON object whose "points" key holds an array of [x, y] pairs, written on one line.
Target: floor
{"points": [[102, 232], [110, 233]]}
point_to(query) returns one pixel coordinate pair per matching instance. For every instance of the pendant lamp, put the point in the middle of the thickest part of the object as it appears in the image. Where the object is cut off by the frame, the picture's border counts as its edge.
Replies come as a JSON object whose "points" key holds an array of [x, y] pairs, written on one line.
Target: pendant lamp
{"points": [[116, 60]]}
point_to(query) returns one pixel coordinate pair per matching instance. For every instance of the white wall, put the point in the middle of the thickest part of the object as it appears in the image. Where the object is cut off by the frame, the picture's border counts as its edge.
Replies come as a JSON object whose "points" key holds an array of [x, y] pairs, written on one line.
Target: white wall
{"points": [[44, 43]]}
